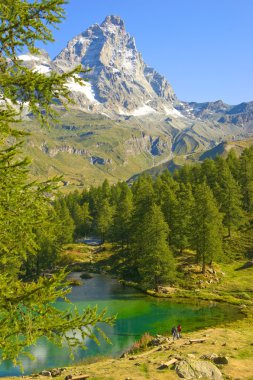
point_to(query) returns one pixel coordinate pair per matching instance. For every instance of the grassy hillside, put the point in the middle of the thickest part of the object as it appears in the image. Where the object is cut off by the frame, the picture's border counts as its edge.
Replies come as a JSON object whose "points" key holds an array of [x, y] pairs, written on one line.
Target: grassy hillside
{"points": [[180, 159], [223, 148], [87, 148]]}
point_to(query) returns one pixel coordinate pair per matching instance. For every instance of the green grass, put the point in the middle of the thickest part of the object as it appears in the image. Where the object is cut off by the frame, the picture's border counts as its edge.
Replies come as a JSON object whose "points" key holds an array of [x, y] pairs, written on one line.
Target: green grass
{"points": [[145, 369], [234, 287], [125, 145], [237, 282]]}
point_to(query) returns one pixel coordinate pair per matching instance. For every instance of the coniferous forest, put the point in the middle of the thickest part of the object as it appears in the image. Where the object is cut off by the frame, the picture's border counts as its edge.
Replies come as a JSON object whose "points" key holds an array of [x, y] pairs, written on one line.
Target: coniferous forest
{"points": [[201, 208], [205, 210]]}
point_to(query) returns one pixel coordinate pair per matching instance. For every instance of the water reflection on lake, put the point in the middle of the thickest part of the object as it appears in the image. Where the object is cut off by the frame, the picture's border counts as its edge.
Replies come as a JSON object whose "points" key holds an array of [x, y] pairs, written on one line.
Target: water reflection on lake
{"points": [[136, 314]]}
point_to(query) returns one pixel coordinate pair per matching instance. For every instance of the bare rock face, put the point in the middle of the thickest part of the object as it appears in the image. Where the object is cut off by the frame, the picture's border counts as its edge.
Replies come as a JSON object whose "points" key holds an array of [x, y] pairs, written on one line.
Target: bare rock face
{"points": [[121, 83], [198, 369], [120, 80]]}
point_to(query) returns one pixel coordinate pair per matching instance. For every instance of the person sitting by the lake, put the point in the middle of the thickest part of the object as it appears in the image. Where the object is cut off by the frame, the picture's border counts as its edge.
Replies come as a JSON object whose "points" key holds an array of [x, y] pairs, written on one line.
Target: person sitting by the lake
{"points": [[179, 330], [174, 333]]}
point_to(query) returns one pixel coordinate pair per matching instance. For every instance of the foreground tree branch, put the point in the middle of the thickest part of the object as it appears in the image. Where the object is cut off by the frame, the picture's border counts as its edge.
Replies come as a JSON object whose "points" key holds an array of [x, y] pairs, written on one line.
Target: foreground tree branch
{"points": [[27, 218]]}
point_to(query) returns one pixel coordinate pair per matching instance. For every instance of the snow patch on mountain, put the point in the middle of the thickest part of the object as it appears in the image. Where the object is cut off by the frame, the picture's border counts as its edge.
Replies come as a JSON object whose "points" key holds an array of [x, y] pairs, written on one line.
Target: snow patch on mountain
{"points": [[144, 110], [173, 112], [85, 89], [122, 80], [28, 57], [42, 69]]}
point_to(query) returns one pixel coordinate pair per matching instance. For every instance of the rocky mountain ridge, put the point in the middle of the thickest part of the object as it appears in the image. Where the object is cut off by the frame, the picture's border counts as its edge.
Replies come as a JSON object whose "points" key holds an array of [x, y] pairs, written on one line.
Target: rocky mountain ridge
{"points": [[127, 117], [119, 79], [120, 83]]}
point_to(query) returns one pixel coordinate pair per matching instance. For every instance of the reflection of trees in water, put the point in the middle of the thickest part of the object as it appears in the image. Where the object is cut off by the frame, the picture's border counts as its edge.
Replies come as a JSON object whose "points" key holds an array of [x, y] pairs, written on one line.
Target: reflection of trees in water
{"points": [[137, 314]]}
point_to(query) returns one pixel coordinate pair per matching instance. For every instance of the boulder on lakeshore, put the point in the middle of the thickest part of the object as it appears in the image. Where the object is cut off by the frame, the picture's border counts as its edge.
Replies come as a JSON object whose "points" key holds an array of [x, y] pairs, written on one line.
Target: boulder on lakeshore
{"points": [[197, 369], [56, 372], [46, 373]]}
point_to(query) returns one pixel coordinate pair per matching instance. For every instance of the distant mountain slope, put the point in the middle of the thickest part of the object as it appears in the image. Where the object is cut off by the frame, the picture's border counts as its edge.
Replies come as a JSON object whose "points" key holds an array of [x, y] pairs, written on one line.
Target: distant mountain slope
{"points": [[88, 148], [221, 149], [127, 117]]}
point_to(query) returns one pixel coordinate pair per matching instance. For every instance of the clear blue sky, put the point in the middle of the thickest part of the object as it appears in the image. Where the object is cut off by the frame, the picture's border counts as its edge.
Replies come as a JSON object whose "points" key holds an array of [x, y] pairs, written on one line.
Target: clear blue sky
{"points": [[203, 47]]}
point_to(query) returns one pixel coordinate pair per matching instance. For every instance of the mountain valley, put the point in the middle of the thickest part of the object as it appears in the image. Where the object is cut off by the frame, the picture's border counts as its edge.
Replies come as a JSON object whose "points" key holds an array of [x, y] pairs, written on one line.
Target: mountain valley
{"points": [[126, 118]]}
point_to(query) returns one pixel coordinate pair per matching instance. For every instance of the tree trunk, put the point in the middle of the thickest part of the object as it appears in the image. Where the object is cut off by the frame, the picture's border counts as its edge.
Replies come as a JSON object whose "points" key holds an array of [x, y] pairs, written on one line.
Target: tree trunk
{"points": [[156, 284], [203, 264]]}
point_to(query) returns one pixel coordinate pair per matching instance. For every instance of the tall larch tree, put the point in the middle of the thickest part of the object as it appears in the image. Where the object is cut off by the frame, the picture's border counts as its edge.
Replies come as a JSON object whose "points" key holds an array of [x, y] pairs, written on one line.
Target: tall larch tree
{"points": [[155, 262], [26, 307], [104, 218], [122, 218], [229, 197], [206, 226], [246, 178], [144, 198], [181, 226], [66, 224]]}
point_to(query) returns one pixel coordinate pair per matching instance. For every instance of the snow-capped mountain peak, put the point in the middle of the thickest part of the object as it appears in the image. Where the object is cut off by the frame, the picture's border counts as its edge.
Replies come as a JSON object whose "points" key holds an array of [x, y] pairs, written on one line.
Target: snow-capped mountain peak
{"points": [[119, 78]]}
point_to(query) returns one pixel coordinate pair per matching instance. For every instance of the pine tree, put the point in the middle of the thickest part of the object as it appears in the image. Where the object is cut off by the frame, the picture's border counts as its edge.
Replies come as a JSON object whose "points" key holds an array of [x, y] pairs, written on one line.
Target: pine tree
{"points": [[26, 307], [49, 247], [87, 219], [207, 226], [66, 225], [233, 164], [209, 173], [105, 188], [228, 194], [144, 198], [143, 193], [121, 228], [169, 206], [246, 178], [104, 219], [181, 230], [155, 263]]}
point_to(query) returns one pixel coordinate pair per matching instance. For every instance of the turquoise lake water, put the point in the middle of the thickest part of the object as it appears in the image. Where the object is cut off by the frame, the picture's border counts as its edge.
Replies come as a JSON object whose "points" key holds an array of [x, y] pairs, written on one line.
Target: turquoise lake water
{"points": [[136, 314]]}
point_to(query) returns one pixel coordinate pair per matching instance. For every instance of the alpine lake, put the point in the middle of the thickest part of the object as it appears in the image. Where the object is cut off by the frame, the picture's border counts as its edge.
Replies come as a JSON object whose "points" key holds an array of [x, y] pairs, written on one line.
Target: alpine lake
{"points": [[136, 314]]}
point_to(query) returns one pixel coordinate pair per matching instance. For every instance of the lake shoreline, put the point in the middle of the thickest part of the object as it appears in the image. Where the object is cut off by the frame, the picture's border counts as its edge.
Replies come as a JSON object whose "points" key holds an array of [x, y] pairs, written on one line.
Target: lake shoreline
{"points": [[240, 331], [233, 339], [223, 340]]}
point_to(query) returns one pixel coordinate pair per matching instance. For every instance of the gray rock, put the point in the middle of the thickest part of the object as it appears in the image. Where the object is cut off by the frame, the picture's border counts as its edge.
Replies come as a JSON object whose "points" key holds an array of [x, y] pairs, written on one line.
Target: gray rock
{"points": [[197, 369], [158, 340], [46, 373], [191, 356], [56, 372], [209, 356], [120, 79]]}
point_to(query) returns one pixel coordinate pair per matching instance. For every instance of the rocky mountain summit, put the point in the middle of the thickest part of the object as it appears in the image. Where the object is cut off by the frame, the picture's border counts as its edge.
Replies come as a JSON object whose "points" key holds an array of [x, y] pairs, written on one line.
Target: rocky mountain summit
{"points": [[120, 83], [126, 118], [119, 79]]}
